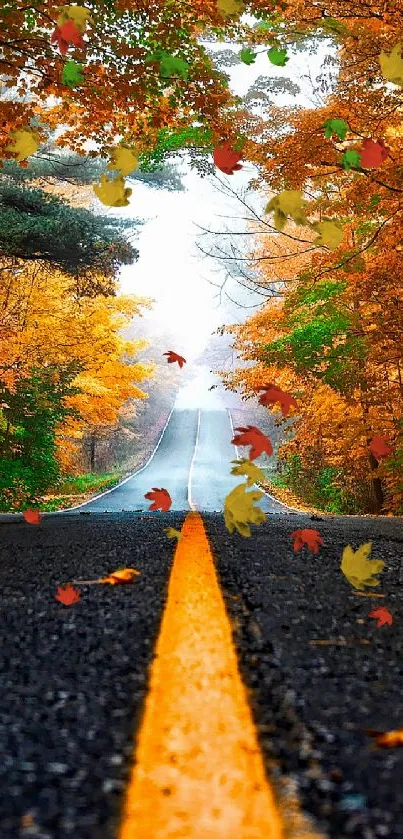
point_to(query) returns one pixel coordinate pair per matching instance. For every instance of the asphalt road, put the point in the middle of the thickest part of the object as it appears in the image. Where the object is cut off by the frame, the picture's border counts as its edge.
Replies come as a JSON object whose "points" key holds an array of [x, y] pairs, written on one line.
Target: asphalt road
{"points": [[73, 680], [192, 461]]}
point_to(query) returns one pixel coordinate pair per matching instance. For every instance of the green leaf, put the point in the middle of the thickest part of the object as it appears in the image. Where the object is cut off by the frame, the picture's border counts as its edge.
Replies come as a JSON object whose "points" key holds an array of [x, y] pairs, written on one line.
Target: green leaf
{"points": [[247, 55], [351, 159], [170, 66], [278, 56], [336, 126], [72, 74]]}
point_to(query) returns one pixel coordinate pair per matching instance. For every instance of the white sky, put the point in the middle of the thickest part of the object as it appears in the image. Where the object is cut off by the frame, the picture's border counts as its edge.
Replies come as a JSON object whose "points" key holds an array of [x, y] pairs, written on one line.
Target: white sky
{"points": [[170, 267]]}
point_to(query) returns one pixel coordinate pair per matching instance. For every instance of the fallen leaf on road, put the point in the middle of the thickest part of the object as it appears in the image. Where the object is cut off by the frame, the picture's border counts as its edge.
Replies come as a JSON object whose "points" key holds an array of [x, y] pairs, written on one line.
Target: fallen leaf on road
{"points": [[32, 516], [311, 538], [122, 575], [386, 739], [382, 615], [161, 499], [253, 437], [359, 570], [172, 533], [67, 595]]}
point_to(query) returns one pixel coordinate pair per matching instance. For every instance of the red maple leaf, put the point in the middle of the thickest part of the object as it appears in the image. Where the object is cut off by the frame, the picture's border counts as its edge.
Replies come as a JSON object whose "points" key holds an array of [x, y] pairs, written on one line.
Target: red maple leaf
{"points": [[379, 447], [226, 158], [373, 154], [382, 615], [173, 356], [67, 595], [161, 499], [311, 538], [66, 35], [32, 516], [252, 436], [274, 394]]}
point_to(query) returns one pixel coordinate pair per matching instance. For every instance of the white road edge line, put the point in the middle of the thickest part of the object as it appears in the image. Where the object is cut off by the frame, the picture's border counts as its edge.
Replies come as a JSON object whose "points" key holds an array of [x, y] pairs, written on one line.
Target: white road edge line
{"points": [[107, 491], [263, 490], [190, 502]]}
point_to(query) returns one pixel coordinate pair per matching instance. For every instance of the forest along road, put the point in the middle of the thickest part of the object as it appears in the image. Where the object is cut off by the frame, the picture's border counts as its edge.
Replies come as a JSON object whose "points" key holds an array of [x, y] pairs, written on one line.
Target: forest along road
{"points": [[192, 461]]}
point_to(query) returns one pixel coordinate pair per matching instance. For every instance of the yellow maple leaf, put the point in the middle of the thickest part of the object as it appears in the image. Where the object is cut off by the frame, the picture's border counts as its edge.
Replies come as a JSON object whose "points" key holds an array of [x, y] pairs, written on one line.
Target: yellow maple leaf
{"points": [[172, 533], [359, 570], [392, 65], [246, 467], [124, 159], [230, 7], [112, 193], [122, 575], [289, 202], [26, 142], [239, 510], [330, 233], [79, 14]]}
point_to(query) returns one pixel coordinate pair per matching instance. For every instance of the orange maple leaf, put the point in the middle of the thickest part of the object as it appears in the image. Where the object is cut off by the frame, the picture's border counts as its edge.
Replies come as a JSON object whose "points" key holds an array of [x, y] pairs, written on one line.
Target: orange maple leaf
{"points": [[66, 35], [274, 394], [123, 575], [32, 516], [161, 498], [310, 538], [382, 615], [226, 158], [386, 739], [173, 356], [252, 436], [379, 447], [373, 154], [67, 595]]}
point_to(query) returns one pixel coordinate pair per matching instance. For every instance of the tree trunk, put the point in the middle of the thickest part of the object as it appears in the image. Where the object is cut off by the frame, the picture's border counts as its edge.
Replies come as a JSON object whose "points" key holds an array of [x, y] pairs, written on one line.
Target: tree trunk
{"points": [[92, 452], [377, 496]]}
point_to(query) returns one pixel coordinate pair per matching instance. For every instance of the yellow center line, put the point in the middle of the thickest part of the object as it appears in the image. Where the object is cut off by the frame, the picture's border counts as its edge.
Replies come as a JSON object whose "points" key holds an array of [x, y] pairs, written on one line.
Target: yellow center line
{"points": [[198, 771]]}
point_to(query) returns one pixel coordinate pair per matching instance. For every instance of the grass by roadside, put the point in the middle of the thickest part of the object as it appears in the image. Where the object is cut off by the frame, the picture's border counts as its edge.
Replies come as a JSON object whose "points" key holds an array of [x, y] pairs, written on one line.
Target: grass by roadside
{"points": [[75, 490]]}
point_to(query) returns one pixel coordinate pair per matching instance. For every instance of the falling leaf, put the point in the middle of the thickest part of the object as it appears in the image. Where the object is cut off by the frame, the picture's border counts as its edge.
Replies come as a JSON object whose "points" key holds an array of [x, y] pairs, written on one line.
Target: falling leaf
{"points": [[172, 533], [373, 154], [278, 57], [72, 74], [359, 570], [382, 615], [386, 739], [173, 356], [112, 193], [122, 575], [245, 467], [161, 499], [351, 159], [226, 158], [66, 35], [253, 437], [330, 233], [26, 142], [124, 159], [289, 202], [32, 516], [239, 510], [67, 595], [78, 14], [336, 126], [247, 55], [379, 447], [311, 538], [392, 65], [274, 394], [230, 7]]}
